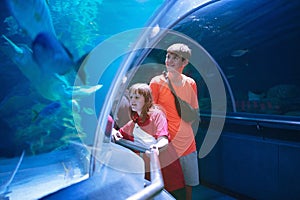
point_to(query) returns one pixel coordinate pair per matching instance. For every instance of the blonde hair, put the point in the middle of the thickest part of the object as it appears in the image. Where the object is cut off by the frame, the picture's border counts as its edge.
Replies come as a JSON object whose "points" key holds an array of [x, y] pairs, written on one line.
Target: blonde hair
{"points": [[145, 90], [181, 50]]}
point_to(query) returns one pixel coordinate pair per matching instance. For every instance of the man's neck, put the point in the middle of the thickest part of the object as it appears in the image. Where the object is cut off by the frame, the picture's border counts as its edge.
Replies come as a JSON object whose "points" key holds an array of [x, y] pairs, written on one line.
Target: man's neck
{"points": [[175, 78]]}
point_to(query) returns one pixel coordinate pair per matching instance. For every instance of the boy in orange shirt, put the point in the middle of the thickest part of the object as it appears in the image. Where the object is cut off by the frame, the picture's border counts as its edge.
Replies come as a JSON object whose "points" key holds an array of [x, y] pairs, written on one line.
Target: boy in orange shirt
{"points": [[181, 132]]}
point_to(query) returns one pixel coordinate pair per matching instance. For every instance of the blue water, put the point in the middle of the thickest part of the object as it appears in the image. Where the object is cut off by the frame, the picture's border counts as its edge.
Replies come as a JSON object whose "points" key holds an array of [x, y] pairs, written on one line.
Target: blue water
{"points": [[268, 34], [255, 43], [27, 120]]}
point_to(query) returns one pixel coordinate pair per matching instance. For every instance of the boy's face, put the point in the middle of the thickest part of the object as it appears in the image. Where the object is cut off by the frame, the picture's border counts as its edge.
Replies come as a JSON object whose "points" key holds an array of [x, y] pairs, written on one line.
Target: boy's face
{"points": [[174, 62]]}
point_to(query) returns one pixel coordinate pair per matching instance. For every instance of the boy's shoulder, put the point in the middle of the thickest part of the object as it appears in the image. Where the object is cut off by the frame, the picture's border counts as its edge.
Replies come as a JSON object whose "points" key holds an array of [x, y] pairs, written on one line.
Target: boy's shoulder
{"points": [[158, 79], [188, 79]]}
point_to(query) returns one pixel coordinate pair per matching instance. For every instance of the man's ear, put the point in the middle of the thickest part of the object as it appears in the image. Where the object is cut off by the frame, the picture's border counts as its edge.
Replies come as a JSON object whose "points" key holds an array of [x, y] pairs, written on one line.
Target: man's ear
{"points": [[185, 62]]}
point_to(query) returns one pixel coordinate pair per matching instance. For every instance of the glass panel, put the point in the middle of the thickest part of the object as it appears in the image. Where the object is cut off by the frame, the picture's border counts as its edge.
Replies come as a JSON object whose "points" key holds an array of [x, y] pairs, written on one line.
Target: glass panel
{"points": [[151, 63], [256, 53], [46, 128]]}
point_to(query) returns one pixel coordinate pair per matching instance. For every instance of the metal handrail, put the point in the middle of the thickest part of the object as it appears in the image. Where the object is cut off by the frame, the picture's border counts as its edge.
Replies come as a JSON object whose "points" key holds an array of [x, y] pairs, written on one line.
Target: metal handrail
{"points": [[258, 118], [132, 145], [157, 183]]}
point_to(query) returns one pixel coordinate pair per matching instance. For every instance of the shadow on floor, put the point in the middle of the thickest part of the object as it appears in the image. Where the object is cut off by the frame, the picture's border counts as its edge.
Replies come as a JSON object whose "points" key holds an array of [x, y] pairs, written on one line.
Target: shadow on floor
{"points": [[201, 192]]}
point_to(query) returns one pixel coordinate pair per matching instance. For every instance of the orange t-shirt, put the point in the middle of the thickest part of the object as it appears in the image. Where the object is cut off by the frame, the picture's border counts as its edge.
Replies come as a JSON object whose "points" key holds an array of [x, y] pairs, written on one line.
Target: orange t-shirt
{"points": [[181, 132]]}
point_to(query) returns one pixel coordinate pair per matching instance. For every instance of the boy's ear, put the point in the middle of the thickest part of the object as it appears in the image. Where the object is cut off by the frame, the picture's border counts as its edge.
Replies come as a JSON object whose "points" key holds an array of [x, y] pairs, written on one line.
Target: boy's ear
{"points": [[185, 62]]}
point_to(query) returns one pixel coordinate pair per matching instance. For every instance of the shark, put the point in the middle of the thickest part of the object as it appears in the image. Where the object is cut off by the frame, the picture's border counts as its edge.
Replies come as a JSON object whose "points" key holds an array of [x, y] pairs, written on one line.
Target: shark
{"points": [[34, 17], [48, 64], [51, 55], [47, 82]]}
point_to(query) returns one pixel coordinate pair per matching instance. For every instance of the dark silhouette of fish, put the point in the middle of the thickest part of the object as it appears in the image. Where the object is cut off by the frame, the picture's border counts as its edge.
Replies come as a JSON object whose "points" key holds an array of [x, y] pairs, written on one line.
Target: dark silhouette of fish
{"points": [[46, 112], [48, 65], [34, 17], [51, 55], [21, 55], [49, 84], [238, 53]]}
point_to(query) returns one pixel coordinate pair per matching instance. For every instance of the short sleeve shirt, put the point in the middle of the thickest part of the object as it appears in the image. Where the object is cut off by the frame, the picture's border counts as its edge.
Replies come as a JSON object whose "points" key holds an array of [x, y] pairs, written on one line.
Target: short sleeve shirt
{"points": [[181, 132], [157, 126]]}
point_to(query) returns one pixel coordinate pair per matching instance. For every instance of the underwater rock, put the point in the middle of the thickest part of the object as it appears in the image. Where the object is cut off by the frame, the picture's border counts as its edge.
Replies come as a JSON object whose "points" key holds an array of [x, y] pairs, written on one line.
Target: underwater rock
{"points": [[255, 96], [286, 96], [283, 91]]}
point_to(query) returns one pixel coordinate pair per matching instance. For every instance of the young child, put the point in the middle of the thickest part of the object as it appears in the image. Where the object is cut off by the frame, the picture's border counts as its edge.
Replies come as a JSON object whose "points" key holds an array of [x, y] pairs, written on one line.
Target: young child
{"points": [[149, 127]]}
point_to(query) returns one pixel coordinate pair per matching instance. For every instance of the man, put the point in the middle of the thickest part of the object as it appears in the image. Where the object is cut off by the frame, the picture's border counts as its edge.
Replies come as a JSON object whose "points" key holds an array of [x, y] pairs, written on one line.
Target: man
{"points": [[181, 132]]}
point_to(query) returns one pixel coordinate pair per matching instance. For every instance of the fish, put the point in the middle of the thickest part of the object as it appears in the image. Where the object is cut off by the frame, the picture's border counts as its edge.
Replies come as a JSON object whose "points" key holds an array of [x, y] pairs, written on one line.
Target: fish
{"points": [[83, 90], [47, 82], [230, 76], [48, 85], [51, 55], [33, 16], [21, 55], [4, 189], [238, 53], [48, 111]]}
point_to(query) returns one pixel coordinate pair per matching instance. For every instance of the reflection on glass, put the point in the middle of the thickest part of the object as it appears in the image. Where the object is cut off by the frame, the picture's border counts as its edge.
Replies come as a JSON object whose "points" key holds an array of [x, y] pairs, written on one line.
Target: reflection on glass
{"points": [[262, 75], [33, 176], [42, 42]]}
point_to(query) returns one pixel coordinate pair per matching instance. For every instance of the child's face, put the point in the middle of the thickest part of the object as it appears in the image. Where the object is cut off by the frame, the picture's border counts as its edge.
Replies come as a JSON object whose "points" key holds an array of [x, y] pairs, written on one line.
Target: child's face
{"points": [[173, 61], [137, 102]]}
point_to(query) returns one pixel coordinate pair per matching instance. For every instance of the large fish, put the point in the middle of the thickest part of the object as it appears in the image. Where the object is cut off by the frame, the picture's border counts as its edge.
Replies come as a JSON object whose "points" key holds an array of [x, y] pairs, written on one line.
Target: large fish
{"points": [[33, 16], [50, 85], [21, 55], [51, 55]]}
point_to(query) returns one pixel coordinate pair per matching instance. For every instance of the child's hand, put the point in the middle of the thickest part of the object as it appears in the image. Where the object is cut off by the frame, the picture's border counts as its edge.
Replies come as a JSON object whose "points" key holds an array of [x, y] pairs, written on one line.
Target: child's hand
{"points": [[154, 148], [116, 135]]}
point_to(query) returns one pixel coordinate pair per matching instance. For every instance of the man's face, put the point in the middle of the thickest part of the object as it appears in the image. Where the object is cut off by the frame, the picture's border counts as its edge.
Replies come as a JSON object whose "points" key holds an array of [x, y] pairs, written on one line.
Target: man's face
{"points": [[174, 62]]}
